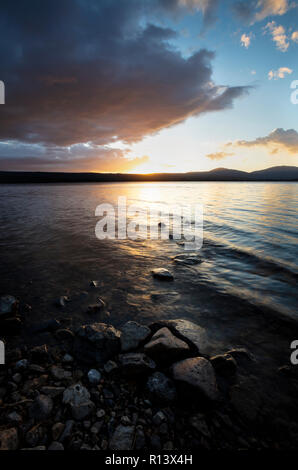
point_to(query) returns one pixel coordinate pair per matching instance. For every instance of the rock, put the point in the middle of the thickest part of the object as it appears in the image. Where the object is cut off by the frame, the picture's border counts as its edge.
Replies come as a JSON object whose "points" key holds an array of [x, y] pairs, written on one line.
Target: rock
{"points": [[194, 335], [246, 398], [100, 413], [15, 417], [224, 364], [168, 446], [188, 259], [161, 388], [34, 435], [96, 308], [94, 376], [40, 353], [165, 346], [96, 343], [67, 359], [158, 418], [123, 438], [125, 420], [60, 374], [41, 408], [57, 430], [94, 284], [47, 325], [56, 446], [78, 399], [110, 366], [52, 392], [62, 300], [66, 434], [9, 439], [8, 305], [140, 440], [136, 364], [64, 334], [35, 448], [22, 364], [199, 374], [242, 356], [17, 378], [198, 422], [162, 274], [133, 334], [155, 442]]}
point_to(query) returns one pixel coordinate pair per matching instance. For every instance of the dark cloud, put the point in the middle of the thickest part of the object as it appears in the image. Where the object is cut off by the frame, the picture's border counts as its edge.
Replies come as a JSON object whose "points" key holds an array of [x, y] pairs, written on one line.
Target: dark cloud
{"points": [[98, 71]]}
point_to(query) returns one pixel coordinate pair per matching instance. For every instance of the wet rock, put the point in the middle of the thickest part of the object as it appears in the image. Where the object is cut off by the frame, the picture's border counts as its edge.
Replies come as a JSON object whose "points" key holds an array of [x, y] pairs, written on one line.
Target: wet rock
{"points": [[161, 388], [52, 392], [40, 354], [22, 364], [224, 364], [96, 308], [94, 376], [65, 334], [8, 305], [47, 325], [165, 346], [77, 398], [189, 259], [9, 439], [199, 374], [162, 274], [41, 408], [242, 356], [110, 366], [61, 301], [96, 343], [123, 438], [56, 446], [194, 335], [136, 364], [133, 334], [57, 430]]}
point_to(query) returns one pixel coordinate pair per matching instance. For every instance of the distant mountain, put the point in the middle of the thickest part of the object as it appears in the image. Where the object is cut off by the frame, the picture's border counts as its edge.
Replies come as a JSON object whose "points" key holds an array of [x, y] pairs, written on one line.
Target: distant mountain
{"points": [[276, 173]]}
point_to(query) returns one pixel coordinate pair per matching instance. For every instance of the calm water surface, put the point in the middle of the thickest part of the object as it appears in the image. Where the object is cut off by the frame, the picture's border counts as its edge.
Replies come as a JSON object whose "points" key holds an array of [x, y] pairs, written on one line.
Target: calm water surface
{"points": [[48, 248]]}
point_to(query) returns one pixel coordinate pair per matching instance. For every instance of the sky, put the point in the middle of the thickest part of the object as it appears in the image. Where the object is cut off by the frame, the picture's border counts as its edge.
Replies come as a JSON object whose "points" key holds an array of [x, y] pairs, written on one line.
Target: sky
{"points": [[148, 85]]}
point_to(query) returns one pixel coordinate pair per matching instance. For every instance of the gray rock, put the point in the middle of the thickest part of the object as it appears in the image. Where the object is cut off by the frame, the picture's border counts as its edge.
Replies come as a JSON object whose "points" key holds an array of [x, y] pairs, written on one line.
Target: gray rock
{"points": [[224, 364], [41, 408], [94, 376], [161, 388], [96, 308], [123, 438], [22, 364], [77, 398], [14, 417], [8, 305], [198, 422], [242, 356], [34, 435], [96, 343], [9, 439], [188, 259], [110, 366], [135, 364], [162, 274], [66, 434], [165, 346], [198, 373], [192, 334], [158, 418], [67, 359], [60, 374], [133, 334], [56, 446]]}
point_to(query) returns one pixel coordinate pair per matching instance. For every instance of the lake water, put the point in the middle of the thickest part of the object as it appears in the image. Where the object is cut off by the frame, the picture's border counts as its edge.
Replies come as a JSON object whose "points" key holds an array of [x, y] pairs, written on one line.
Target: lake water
{"points": [[249, 254]]}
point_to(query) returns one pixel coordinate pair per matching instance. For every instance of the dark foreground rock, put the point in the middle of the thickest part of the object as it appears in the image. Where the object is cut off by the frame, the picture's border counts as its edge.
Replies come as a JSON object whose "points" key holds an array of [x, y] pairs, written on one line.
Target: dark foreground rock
{"points": [[96, 343], [133, 334]]}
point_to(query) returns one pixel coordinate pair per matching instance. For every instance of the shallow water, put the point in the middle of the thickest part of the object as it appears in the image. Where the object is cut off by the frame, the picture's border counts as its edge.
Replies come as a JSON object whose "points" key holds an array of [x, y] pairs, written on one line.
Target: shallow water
{"points": [[48, 247]]}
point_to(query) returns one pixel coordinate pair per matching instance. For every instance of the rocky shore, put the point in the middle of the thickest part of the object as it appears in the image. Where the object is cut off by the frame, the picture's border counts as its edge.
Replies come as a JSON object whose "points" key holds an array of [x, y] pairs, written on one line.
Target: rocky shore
{"points": [[142, 387]]}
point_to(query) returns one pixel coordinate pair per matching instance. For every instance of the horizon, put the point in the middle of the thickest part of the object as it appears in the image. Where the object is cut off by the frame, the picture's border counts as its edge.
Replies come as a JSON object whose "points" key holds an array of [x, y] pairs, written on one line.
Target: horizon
{"points": [[149, 86]]}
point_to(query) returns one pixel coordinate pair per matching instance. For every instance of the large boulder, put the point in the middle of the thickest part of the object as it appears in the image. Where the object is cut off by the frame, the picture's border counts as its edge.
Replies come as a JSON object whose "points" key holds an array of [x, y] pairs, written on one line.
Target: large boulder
{"points": [[132, 335], [123, 438], [77, 398], [194, 335], [198, 373], [96, 343], [136, 364], [164, 346], [161, 389]]}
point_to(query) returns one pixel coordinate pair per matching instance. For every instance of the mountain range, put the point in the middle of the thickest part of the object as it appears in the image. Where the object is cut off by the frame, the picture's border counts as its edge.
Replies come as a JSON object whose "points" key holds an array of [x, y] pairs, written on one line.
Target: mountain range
{"points": [[275, 173]]}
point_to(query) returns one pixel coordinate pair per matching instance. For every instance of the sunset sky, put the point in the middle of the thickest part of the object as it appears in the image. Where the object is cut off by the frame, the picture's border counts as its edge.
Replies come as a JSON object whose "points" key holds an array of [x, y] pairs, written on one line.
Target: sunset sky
{"points": [[148, 85]]}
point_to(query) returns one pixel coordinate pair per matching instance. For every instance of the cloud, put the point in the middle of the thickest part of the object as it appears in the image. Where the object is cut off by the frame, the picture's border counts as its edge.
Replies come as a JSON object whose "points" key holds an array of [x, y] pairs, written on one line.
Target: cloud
{"points": [[294, 36], [207, 7], [219, 155], [98, 73], [278, 139], [246, 40], [279, 36], [257, 10], [280, 73]]}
